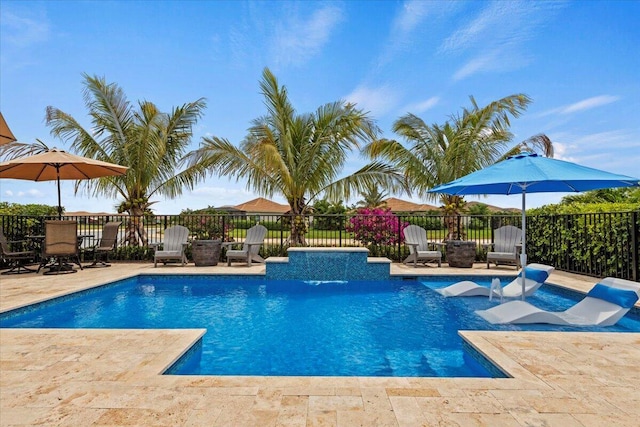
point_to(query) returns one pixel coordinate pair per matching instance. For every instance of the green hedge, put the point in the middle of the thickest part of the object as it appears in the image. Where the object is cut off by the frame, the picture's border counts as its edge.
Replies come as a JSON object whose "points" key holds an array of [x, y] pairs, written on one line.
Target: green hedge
{"points": [[245, 224], [428, 222], [593, 239]]}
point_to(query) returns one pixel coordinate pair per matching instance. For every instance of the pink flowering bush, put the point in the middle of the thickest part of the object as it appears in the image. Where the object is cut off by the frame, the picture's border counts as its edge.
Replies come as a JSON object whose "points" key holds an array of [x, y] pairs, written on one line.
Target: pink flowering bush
{"points": [[376, 226]]}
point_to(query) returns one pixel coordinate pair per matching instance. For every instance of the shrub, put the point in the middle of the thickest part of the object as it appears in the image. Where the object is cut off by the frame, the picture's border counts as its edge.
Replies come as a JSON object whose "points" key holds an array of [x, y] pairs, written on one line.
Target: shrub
{"points": [[244, 224], [376, 226], [591, 238], [209, 227], [428, 221], [328, 216], [477, 223]]}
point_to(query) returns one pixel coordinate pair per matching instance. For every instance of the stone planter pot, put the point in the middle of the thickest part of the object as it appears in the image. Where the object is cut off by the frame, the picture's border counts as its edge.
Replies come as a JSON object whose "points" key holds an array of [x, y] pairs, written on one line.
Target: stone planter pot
{"points": [[206, 252], [461, 253]]}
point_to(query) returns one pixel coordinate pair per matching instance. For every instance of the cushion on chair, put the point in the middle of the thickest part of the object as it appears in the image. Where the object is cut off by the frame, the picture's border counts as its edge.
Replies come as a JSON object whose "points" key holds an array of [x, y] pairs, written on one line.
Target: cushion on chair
{"points": [[502, 255], [429, 253], [625, 298], [539, 276], [237, 253], [168, 253]]}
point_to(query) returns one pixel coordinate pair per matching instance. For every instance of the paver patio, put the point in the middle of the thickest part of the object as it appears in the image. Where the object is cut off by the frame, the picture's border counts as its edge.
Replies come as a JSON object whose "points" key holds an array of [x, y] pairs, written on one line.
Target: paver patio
{"points": [[80, 377]]}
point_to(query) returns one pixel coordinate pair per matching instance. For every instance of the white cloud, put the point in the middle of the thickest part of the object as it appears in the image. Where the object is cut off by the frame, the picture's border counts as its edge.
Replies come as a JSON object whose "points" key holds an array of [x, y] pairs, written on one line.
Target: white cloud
{"points": [[497, 35], [620, 138], [589, 103], [585, 104], [378, 100], [412, 14], [30, 193], [297, 40], [410, 24], [421, 107], [18, 31], [219, 192], [615, 151], [479, 63], [561, 151], [35, 193]]}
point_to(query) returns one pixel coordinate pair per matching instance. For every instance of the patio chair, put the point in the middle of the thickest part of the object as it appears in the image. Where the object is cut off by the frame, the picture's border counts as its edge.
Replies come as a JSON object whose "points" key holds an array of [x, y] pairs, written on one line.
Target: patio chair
{"points": [[106, 244], [176, 239], [505, 247], [535, 276], [16, 259], [605, 304], [60, 244], [250, 246], [415, 238]]}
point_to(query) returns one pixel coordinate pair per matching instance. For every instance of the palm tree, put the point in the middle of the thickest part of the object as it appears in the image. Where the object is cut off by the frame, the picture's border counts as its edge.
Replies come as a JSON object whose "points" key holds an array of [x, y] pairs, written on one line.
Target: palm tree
{"points": [[472, 140], [17, 149], [151, 143], [372, 197], [299, 156]]}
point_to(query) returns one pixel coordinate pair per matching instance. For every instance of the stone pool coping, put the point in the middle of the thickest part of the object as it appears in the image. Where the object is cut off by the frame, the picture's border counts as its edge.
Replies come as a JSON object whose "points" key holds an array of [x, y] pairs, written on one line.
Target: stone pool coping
{"points": [[112, 377]]}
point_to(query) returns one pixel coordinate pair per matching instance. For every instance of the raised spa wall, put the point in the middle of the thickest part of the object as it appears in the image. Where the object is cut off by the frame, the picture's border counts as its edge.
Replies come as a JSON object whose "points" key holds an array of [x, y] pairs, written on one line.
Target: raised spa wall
{"points": [[327, 264]]}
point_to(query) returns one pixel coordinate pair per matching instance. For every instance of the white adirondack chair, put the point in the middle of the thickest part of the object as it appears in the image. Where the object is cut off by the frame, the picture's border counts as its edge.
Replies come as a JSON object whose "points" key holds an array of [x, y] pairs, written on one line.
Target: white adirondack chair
{"points": [[176, 239], [250, 246], [505, 247], [415, 238]]}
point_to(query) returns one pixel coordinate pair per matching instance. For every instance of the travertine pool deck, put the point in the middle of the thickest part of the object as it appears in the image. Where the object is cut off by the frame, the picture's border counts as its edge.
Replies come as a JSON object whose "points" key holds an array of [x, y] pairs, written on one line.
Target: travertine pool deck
{"points": [[77, 377]]}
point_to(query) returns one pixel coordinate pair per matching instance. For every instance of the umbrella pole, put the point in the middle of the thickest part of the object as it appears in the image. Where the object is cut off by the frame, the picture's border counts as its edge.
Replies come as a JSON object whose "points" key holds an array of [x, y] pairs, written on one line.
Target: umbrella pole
{"points": [[59, 202], [523, 255]]}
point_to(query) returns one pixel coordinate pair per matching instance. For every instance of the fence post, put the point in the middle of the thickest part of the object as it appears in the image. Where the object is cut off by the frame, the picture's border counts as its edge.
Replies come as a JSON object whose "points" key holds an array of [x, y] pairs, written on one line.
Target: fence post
{"points": [[635, 241]]}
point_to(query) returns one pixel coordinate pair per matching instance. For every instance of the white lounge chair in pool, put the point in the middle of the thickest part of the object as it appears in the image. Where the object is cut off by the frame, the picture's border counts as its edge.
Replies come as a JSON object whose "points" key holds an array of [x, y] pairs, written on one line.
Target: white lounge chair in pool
{"points": [[605, 304], [176, 239], [535, 276], [505, 249], [250, 246], [415, 238]]}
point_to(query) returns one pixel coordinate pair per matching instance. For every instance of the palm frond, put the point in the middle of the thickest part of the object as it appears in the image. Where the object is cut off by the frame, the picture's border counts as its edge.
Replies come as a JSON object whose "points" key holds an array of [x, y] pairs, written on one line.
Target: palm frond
{"points": [[16, 149]]}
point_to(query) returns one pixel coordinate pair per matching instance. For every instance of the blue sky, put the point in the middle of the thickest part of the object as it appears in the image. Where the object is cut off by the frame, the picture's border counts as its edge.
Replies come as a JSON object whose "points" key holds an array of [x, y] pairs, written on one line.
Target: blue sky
{"points": [[578, 60]]}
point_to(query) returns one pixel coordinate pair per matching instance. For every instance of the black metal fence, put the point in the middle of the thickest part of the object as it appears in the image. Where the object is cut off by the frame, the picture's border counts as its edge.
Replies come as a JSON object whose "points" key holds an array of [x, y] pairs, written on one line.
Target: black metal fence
{"points": [[599, 244]]}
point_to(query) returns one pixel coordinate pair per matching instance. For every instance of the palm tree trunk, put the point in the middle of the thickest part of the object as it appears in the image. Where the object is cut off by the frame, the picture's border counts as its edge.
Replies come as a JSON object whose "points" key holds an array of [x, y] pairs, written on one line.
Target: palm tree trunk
{"points": [[299, 224], [453, 206], [298, 230], [136, 232], [131, 237]]}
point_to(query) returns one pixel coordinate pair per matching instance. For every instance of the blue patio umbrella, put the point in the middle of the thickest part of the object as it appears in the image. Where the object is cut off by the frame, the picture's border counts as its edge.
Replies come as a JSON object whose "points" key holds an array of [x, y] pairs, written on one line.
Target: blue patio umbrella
{"points": [[531, 173]]}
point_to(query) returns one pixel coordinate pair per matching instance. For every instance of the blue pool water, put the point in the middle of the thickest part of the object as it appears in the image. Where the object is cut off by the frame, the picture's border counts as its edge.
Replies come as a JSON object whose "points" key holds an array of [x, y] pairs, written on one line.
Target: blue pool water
{"points": [[270, 327]]}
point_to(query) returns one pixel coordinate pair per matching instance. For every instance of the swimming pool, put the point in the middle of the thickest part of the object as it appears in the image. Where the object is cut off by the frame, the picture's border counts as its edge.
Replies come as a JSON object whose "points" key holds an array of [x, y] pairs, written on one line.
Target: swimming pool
{"points": [[283, 327]]}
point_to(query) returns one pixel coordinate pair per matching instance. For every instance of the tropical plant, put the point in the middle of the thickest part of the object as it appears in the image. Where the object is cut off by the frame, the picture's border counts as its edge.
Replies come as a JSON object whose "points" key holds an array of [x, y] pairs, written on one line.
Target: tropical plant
{"points": [[372, 197], [27, 219], [31, 209], [327, 215], [22, 149], [480, 216], [151, 143], [208, 223], [607, 195], [299, 156], [376, 226], [472, 140]]}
